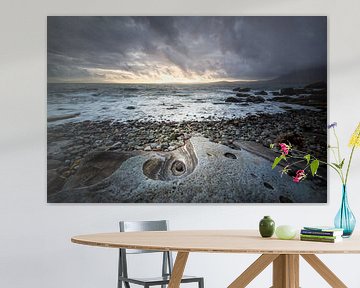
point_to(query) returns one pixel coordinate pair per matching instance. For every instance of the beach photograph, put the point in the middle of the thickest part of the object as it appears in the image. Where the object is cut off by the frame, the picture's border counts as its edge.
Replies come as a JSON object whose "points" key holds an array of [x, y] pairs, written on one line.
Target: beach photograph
{"points": [[170, 109]]}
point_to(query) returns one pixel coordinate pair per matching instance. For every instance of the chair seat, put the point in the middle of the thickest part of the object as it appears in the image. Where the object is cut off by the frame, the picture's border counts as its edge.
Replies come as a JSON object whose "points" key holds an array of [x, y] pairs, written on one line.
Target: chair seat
{"points": [[158, 280]]}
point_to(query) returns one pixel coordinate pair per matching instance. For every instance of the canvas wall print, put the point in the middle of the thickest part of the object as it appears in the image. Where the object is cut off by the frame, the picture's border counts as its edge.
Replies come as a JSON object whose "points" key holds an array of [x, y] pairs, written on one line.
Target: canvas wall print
{"points": [[185, 109]]}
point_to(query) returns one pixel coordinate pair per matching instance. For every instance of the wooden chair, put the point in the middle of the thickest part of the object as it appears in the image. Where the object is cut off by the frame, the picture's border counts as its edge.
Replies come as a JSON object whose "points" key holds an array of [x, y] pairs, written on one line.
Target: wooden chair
{"points": [[167, 263]]}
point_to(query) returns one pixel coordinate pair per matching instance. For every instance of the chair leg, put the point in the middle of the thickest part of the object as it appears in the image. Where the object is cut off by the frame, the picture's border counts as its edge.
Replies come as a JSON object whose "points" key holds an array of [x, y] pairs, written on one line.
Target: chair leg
{"points": [[201, 283]]}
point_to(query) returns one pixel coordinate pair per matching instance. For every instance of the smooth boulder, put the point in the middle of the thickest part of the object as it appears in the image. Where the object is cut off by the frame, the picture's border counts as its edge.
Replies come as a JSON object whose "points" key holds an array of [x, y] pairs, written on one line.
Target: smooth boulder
{"points": [[233, 100], [262, 93], [255, 99], [242, 94]]}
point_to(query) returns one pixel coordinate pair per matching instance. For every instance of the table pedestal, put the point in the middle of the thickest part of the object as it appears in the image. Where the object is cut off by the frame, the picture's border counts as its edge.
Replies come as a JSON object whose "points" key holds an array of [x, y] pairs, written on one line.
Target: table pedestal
{"points": [[286, 271]]}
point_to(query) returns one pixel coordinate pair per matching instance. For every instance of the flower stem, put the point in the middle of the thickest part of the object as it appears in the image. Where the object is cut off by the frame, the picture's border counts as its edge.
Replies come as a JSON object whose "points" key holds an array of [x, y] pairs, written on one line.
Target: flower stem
{"points": [[339, 160], [348, 167], [333, 152], [336, 169], [338, 146]]}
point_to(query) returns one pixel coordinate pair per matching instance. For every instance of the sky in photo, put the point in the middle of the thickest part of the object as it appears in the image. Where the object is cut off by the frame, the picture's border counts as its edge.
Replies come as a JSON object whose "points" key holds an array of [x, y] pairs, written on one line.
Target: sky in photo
{"points": [[182, 49]]}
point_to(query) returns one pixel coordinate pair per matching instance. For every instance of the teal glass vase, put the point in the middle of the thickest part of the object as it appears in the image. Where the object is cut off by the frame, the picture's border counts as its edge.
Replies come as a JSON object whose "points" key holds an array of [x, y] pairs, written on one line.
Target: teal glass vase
{"points": [[345, 219]]}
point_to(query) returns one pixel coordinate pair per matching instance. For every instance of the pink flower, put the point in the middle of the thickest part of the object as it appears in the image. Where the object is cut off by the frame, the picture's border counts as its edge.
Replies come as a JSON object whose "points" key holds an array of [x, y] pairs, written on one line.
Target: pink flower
{"points": [[284, 148], [300, 175]]}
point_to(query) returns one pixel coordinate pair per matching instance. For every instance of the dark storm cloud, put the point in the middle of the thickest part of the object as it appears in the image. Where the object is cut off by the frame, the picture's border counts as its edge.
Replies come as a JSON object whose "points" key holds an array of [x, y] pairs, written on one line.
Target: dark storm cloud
{"points": [[90, 48]]}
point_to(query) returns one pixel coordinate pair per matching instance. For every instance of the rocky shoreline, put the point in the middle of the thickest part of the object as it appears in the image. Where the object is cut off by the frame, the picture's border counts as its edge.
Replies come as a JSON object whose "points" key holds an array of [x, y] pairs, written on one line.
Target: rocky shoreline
{"points": [[69, 143], [314, 95], [201, 171]]}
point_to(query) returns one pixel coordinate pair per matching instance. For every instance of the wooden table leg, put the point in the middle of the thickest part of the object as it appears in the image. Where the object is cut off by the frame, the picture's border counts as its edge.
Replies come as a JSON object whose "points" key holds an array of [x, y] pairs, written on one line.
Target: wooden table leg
{"points": [[324, 271], [178, 269], [253, 270], [286, 271]]}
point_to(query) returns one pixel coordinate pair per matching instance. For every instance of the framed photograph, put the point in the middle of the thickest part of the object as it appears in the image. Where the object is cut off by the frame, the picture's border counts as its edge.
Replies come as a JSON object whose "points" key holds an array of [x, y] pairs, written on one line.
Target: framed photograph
{"points": [[184, 109]]}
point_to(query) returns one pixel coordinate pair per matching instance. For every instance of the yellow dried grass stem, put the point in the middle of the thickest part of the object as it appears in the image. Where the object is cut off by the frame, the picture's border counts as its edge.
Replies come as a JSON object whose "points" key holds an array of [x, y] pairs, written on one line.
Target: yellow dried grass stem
{"points": [[355, 138]]}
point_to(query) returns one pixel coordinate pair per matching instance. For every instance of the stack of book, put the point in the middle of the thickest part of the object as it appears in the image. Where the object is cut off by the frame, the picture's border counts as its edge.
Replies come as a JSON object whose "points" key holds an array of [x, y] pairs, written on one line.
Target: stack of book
{"points": [[321, 234]]}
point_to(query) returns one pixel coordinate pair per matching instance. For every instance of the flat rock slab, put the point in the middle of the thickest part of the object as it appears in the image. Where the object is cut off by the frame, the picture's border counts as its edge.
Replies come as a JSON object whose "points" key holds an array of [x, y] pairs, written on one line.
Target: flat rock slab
{"points": [[199, 172], [62, 117]]}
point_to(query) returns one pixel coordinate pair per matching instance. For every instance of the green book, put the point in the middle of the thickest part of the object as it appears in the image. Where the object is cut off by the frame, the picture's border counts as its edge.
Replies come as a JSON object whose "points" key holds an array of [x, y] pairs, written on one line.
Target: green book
{"points": [[319, 236], [338, 239]]}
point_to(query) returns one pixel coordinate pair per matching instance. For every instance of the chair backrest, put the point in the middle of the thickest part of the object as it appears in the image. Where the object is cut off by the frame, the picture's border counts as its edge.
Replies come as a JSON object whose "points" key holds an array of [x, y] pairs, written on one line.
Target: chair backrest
{"points": [[133, 226], [137, 226]]}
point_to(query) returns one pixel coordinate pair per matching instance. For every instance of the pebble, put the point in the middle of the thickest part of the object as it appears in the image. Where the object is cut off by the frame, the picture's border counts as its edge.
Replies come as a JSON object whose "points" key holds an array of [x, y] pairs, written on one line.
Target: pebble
{"points": [[171, 148], [153, 145]]}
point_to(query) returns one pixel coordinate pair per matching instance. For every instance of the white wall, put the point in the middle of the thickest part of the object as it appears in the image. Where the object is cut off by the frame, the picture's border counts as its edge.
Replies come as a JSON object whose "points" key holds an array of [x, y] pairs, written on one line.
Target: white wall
{"points": [[35, 248]]}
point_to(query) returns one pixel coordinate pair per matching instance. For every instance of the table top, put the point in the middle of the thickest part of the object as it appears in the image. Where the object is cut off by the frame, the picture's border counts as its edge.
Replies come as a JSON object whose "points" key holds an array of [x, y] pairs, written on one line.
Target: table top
{"points": [[217, 241]]}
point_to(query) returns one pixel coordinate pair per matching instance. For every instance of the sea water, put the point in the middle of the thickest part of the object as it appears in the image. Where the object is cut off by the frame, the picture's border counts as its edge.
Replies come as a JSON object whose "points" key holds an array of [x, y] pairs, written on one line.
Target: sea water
{"points": [[154, 102]]}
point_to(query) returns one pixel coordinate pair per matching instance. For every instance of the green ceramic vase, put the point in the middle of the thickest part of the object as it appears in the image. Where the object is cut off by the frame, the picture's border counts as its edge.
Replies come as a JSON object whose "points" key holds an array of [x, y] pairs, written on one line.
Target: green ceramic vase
{"points": [[267, 227]]}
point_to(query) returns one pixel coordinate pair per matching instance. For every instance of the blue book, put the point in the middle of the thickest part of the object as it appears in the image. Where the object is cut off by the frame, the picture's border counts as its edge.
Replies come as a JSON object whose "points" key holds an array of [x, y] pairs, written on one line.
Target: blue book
{"points": [[322, 231]]}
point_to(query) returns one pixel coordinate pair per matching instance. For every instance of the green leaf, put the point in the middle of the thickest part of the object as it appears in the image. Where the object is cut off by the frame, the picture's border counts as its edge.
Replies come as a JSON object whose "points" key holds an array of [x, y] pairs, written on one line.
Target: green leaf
{"points": [[277, 161], [339, 166], [314, 167], [342, 163], [336, 165], [272, 145], [307, 157]]}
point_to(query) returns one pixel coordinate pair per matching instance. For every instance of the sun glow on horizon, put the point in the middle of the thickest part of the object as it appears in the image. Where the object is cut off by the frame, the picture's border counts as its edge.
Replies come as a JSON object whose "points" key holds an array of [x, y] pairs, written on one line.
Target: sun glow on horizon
{"points": [[163, 74], [175, 81], [172, 80]]}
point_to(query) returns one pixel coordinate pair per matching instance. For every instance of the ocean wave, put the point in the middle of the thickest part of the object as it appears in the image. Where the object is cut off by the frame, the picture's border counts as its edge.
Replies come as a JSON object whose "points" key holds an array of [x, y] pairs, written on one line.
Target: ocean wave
{"points": [[130, 89]]}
